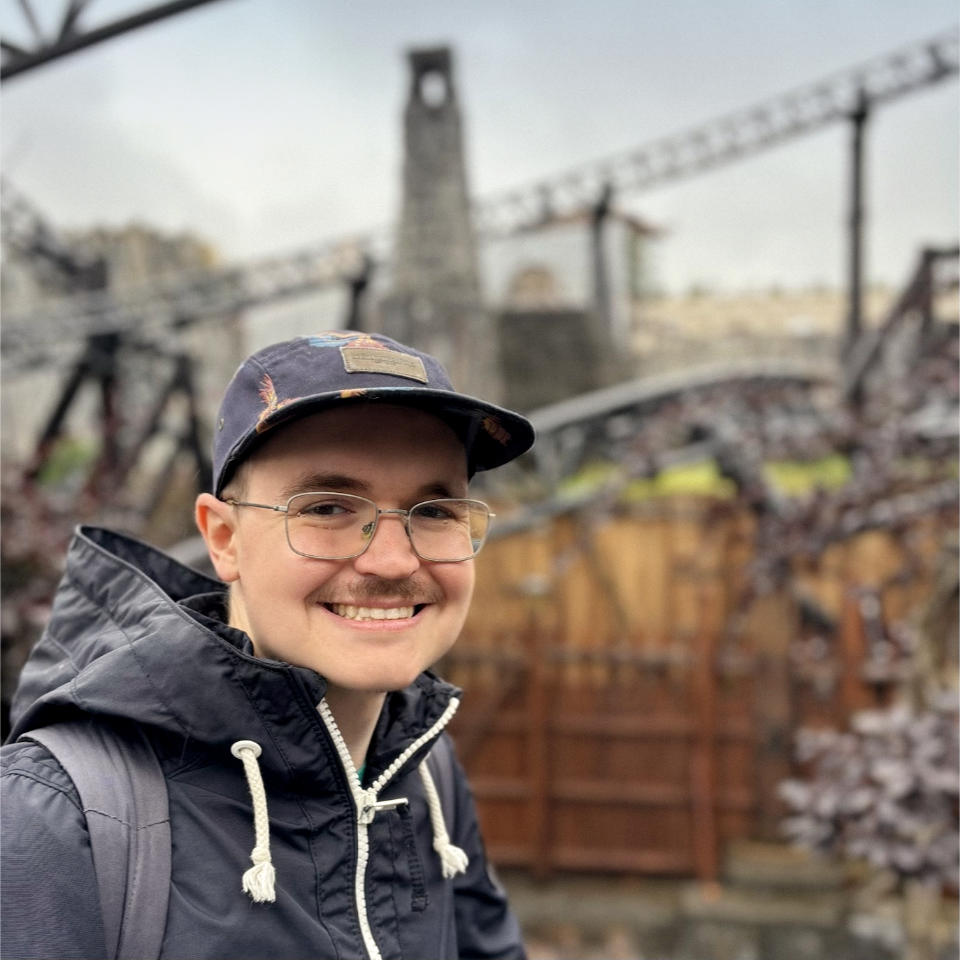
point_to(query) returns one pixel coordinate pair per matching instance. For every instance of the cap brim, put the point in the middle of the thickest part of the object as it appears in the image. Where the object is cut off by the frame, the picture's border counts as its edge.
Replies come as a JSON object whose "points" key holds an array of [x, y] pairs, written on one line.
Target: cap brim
{"points": [[491, 435]]}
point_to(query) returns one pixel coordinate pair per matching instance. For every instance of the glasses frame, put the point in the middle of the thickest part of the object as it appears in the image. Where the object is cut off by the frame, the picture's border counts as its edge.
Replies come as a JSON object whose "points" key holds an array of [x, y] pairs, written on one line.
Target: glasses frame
{"points": [[284, 508]]}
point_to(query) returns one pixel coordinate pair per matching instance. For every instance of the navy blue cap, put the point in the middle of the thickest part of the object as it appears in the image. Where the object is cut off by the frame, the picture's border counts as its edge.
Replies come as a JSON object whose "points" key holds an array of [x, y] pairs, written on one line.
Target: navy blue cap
{"points": [[308, 374]]}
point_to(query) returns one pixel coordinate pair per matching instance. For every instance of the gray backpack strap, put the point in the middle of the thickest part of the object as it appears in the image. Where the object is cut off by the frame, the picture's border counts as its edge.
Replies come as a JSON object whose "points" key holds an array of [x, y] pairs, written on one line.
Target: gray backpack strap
{"points": [[124, 797]]}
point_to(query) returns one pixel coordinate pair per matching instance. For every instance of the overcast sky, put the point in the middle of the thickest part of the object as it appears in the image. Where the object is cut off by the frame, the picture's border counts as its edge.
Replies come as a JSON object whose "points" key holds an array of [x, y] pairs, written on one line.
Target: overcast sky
{"points": [[266, 125]]}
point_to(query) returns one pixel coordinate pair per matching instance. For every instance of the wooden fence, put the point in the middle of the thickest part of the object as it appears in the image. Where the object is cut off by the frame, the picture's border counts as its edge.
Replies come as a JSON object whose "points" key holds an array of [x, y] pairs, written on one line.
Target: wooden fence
{"points": [[632, 697]]}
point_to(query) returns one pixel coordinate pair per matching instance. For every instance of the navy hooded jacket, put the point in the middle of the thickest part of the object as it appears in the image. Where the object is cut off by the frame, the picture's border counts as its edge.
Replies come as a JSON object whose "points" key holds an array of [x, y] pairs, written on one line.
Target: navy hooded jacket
{"points": [[138, 636]]}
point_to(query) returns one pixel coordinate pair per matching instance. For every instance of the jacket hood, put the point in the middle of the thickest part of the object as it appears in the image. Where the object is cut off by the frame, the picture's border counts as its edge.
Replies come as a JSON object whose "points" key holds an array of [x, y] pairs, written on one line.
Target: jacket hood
{"points": [[121, 643], [250, 752]]}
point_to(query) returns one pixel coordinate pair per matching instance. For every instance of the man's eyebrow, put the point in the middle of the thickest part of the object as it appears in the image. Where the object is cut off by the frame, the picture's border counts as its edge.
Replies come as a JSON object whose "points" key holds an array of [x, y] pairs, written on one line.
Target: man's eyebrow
{"points": [[341, 483], [437, 490], [309, 482]]}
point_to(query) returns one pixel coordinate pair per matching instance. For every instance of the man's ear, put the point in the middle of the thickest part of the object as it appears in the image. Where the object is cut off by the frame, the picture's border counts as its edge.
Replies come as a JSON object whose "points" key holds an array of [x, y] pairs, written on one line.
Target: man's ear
{"points": [[216, 522]]}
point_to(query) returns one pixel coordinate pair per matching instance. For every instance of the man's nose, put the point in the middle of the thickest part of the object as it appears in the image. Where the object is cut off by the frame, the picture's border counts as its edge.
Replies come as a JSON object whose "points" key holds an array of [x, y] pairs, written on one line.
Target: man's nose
{"points": [[390, 554]]}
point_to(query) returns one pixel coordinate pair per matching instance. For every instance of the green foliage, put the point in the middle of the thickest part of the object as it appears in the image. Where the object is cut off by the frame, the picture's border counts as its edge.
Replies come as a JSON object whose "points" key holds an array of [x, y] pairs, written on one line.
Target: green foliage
{"points": [[589, 480], [796, 478], [68, 457], [697, 479]]}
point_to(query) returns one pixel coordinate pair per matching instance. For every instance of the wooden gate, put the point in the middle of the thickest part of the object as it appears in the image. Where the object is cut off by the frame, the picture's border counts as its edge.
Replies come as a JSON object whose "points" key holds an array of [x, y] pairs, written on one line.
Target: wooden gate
{"points": [[630, 698]]}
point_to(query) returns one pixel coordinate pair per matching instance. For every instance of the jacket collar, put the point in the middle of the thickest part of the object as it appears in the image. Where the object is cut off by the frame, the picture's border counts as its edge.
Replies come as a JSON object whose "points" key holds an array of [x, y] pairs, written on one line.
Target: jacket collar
{"points": [[124, 639]]}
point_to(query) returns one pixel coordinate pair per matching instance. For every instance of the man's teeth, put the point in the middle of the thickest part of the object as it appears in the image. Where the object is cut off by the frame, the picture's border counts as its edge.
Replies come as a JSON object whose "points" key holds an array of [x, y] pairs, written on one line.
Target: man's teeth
{"points": [[370, 613]]}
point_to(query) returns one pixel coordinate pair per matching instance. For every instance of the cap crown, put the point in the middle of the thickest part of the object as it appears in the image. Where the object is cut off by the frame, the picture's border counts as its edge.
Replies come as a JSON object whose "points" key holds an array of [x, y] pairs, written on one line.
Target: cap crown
{"points": [[301, 376]]}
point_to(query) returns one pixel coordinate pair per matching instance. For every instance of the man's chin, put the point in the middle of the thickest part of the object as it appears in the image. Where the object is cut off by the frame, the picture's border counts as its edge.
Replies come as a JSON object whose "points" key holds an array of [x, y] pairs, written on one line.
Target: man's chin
{"points": [[376, 685]]}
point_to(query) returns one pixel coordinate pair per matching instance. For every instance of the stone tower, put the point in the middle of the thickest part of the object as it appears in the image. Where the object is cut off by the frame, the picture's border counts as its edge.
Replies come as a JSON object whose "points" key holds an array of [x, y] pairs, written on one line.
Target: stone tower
{"points": [[435, 303]]}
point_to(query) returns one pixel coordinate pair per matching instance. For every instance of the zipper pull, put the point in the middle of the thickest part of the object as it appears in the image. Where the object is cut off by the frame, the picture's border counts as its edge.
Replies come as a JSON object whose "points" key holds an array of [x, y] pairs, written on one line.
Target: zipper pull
{"points": [[369, 806]]}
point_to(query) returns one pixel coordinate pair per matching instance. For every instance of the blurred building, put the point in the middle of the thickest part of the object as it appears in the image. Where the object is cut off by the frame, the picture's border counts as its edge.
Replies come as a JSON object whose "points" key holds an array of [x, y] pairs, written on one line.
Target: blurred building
{"points": [[138, 255], [565, 294], [550, 267], [128, 260], [680, 330]]}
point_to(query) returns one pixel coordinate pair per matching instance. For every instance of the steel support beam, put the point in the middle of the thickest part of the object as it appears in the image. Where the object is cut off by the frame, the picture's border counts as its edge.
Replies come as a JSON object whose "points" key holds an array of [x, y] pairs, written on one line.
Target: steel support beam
{"points": [[854, 328], [70, 38]]}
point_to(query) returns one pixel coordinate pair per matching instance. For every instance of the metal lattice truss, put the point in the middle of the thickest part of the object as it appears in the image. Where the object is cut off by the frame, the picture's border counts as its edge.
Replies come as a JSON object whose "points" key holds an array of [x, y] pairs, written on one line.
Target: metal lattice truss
{"points": [[69, 35], [728, 138], [37, 337]]}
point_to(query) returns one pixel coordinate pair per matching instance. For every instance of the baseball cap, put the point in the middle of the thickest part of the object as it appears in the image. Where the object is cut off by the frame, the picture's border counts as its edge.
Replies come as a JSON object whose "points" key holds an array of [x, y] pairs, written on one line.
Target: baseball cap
{"points": [[292, 379]]}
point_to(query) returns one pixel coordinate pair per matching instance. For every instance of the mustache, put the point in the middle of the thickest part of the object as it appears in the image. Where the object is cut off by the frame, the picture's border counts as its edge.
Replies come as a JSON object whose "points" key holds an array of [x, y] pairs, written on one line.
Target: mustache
{"points": [[378, 588]]}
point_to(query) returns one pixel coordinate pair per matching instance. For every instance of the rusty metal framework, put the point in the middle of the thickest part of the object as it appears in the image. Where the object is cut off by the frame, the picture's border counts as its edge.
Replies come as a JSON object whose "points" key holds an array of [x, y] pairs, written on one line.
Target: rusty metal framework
{"points": [[70, 35], [937, 270], [38, 337]]}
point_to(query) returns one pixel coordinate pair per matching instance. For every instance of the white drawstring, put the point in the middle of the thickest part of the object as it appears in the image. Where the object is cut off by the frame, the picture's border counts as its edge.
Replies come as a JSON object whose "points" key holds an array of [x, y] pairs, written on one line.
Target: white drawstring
{"points": [[258, 881], [453, 860]]}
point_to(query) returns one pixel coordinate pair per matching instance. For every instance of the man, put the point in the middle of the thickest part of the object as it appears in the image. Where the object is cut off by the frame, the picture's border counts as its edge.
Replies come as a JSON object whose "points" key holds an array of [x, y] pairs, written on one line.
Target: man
{"points": [[293, 710]]}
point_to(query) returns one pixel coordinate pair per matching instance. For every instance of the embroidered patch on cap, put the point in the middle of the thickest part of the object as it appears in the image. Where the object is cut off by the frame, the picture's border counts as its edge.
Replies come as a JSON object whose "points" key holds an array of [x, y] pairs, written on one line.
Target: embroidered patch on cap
{"points": [[382, 360]]}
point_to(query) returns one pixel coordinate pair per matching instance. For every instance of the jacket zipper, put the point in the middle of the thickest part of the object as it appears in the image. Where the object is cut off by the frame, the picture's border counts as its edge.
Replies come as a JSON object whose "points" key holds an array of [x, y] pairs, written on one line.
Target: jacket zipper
{"points": [[367, 805]]}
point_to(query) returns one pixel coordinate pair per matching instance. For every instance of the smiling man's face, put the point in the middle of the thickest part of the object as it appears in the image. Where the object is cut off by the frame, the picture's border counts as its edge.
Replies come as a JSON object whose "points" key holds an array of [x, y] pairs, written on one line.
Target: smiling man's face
{"points": [[374, 622]]}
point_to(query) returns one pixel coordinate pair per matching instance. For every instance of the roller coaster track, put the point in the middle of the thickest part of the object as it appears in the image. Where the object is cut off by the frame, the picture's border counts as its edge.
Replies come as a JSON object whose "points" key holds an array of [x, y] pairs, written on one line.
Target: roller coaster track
{"points": [[728, 138], [40, 336]]}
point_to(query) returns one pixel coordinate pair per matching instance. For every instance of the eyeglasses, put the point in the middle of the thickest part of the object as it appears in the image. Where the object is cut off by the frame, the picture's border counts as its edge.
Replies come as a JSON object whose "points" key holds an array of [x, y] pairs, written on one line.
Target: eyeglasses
{"points": [[340, 526]]}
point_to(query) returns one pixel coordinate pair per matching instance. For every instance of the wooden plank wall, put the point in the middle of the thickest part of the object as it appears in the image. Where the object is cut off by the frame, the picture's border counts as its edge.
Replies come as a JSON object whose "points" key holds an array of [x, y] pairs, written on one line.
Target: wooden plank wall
{"points": [[631, 702]]}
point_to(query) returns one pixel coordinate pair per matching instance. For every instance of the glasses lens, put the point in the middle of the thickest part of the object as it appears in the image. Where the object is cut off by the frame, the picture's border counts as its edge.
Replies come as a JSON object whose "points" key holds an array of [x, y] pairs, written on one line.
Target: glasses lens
{"points": [[449, 529], [330, 526]]}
